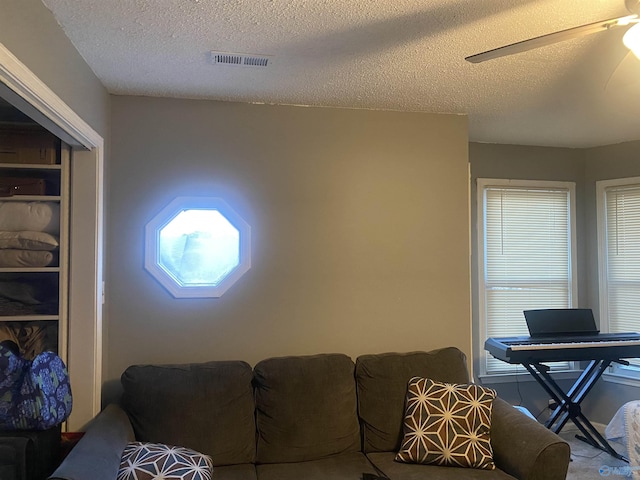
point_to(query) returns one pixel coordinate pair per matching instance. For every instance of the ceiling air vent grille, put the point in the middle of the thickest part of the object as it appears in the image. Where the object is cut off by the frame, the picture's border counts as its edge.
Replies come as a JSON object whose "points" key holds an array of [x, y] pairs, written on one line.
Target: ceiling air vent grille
{"points": [[239, 59]]}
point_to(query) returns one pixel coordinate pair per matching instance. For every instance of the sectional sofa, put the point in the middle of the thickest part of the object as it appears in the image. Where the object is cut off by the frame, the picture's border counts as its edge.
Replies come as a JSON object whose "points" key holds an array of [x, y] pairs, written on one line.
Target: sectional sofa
{"points": [[314, 417]]}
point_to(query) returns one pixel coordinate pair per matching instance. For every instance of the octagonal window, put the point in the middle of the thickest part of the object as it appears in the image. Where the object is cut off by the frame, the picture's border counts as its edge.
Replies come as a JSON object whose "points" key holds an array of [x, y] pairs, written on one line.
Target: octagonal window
{"points": [[197, 247]]}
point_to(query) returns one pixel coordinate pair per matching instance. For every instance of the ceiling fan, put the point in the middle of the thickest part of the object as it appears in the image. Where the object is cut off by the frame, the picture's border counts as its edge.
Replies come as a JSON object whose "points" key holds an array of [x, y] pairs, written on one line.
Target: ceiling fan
{"points": [[631, 38]]}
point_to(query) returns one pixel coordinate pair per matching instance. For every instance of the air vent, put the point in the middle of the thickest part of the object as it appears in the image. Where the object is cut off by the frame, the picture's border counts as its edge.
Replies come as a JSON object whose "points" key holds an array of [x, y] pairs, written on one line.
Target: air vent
{"points": [[239, 59]]}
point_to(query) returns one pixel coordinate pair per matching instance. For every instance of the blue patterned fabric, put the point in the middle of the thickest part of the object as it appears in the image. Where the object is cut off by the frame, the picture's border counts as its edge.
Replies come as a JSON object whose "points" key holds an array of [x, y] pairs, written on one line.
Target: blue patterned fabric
{"points": [[34, 395]]}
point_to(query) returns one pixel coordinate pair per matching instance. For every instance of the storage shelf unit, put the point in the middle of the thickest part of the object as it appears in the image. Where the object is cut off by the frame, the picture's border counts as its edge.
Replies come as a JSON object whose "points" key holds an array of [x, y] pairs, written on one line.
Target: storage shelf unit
{"points": [[52, 279]]}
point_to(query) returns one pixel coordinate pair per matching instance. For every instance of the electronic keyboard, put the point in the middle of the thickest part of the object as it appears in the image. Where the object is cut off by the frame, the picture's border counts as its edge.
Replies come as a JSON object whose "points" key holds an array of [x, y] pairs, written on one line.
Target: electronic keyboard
{"points": [[599, 349], [611, 346]]}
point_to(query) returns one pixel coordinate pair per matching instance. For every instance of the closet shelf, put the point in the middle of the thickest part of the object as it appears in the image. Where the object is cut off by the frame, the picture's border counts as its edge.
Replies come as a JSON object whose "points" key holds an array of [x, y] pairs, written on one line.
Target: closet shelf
{"points": [[29, 269], [31, 166], [31, 198], [28, 318]]}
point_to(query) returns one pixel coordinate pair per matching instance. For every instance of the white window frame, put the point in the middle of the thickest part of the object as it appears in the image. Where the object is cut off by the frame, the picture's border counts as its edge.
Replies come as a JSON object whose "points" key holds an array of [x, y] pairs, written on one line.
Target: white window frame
{"points": [[629, 375], [165, 216], [482, 184]]}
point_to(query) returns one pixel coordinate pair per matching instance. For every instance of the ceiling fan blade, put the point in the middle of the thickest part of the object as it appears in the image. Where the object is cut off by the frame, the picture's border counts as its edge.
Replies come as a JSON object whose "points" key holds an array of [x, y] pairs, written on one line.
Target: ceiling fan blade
{"points": [[551, 38]]}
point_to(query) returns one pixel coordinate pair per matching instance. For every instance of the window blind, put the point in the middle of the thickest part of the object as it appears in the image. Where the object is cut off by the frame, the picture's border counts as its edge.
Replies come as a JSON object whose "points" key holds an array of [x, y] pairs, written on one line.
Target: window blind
{"points": [[622, 237], [527, 259]]}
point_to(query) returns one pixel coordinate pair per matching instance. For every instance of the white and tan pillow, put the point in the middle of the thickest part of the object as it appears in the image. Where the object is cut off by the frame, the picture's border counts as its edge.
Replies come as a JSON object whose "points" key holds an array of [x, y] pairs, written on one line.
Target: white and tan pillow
{"points": [[34, 216], [28, 240], [152, 461], [447, 424]]}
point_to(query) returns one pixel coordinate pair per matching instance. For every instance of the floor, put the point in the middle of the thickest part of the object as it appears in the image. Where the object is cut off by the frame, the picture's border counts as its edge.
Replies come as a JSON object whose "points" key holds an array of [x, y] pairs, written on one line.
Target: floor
{"points": [[589, 463]]}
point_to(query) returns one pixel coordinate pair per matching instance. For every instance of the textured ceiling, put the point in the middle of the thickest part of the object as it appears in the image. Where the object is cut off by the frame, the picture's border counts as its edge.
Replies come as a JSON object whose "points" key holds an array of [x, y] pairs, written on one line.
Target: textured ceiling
{"points": [[376, 54]]}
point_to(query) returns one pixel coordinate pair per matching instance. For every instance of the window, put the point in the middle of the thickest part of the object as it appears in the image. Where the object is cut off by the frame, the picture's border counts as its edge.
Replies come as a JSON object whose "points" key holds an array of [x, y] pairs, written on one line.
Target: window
{"points": [[526, 238], [197, 247], [619, 259]]}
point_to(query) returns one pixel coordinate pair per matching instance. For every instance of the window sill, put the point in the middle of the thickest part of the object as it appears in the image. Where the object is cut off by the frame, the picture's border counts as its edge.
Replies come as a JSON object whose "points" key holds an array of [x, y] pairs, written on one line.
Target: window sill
{"points": [[524, 376], [621, 379]]}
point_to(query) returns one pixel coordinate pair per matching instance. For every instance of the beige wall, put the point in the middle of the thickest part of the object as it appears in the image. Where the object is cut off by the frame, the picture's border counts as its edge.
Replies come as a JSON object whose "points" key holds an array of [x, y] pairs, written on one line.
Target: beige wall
{"points": [[359, 224], [29, 30], [354, 249]]}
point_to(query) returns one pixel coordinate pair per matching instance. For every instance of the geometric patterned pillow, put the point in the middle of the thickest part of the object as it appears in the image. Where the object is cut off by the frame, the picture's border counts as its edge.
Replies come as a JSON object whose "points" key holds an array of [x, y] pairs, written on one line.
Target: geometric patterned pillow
{"points": [[155, 461], [447, 424]]}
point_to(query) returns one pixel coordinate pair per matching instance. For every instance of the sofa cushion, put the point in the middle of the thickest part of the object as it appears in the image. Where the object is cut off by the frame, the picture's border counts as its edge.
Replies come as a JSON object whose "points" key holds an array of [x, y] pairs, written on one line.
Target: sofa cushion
{"points": [[349, 466], [151, 461], [245, 471], [305, 408], [382, 387], [447, 424], [207, 407], [385, 461]]}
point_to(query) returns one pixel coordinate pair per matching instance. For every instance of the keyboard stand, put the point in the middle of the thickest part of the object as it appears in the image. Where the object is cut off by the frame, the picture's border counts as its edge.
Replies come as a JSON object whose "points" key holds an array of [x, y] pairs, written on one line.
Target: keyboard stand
{"points": [[569, 402]]}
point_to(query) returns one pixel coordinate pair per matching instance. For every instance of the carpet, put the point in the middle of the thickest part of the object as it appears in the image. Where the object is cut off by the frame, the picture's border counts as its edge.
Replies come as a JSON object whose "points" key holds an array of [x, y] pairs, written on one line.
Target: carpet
{"points": [[590, 463]]}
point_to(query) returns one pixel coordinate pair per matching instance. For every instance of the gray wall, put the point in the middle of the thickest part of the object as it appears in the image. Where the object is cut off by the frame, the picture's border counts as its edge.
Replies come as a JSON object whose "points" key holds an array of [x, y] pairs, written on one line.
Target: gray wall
{"points": [[604, 163], [585, 167], [29, 30], [528, 163], [359, 225]]}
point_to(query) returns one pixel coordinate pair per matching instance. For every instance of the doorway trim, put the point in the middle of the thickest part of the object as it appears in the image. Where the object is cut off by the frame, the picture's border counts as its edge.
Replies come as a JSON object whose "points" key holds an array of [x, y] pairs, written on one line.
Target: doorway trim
{"points": [[22, 88]]}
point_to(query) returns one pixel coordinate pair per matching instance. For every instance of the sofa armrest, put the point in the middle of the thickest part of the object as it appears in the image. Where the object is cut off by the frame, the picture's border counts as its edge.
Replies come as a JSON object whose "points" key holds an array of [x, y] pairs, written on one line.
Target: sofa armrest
{"points": [[29, 453], [97, 455], [13, 457], [524, 448]]}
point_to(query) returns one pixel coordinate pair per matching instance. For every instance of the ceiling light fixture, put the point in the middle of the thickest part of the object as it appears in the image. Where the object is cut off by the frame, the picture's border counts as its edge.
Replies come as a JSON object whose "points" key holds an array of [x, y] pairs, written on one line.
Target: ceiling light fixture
{"points": [[631, 39]]}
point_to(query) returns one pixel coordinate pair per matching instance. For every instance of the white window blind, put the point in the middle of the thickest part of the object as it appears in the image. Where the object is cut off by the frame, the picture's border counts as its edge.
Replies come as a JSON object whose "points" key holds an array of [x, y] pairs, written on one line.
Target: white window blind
{"points": [[620, 282], [526, 263]]}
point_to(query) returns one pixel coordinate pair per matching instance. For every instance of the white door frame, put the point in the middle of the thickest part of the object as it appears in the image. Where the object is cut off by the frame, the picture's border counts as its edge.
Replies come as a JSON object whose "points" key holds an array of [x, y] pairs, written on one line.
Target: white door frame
{"points": [[24, 90]]}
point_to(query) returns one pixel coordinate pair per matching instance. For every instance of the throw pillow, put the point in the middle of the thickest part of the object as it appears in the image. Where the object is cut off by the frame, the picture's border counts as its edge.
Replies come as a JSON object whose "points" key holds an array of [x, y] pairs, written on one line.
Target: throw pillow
{"points": [[447, 424], [156, 461]]}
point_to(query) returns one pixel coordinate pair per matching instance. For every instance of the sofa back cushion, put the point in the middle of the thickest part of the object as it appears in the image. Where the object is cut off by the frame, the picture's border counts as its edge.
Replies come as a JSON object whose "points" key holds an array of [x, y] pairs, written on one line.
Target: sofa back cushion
{"points": [[382, 387], [306, 408], [207, 407]]}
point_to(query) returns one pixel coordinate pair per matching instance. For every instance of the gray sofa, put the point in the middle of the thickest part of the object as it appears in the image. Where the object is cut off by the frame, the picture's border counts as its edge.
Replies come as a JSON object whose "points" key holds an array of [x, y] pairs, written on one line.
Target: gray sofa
{"points": [[308, 417]]}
